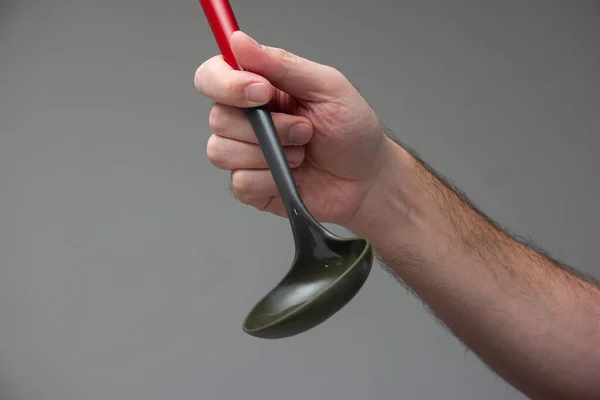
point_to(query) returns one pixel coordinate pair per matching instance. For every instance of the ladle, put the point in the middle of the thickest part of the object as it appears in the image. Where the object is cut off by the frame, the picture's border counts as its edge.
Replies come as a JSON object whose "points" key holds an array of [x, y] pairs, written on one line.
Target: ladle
{"points": [[327, 270]]}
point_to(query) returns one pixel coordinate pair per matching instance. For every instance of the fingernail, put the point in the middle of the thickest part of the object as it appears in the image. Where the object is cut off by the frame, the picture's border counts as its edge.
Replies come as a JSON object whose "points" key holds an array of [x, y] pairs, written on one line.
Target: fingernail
{"points": [[295, 158], [300, 133], [257, 93]]}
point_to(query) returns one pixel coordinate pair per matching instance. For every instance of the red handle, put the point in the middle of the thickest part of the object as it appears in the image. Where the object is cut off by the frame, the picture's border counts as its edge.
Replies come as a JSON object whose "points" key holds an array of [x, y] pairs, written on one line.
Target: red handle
{"points": [[222, 23]]}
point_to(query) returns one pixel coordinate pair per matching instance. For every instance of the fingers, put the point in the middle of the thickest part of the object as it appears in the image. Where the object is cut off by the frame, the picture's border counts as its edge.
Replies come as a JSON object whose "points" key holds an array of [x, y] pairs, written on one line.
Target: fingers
{"points": [[232, 123], [295, 75], [253, 185], [257, 188], [264, 69], [229, 154], [218, 81]]}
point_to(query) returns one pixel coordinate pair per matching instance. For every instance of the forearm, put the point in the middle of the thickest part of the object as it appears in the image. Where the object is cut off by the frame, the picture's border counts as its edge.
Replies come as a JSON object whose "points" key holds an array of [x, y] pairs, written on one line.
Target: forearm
{"points": [[533, 322]]}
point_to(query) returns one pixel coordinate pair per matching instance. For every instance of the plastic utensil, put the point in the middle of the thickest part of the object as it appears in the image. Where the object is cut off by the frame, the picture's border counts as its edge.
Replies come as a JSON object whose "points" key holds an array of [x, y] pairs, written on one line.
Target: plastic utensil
{"points": [[327, 270]]}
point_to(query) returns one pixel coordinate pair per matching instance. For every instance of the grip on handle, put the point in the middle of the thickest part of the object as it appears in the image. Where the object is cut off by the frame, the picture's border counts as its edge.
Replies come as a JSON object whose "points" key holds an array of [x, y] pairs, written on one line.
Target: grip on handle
{"points": [[222, 23]]}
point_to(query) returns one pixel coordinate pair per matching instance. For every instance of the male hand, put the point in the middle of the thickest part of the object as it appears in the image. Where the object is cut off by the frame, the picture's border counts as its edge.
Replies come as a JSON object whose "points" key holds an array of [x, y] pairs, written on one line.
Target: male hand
{"points": [[529, 318], [332, 138]]}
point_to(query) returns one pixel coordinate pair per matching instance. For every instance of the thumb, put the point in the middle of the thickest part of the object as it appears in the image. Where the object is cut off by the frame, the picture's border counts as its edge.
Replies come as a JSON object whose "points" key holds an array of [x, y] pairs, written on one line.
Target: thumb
{"points": [[299, 77]]}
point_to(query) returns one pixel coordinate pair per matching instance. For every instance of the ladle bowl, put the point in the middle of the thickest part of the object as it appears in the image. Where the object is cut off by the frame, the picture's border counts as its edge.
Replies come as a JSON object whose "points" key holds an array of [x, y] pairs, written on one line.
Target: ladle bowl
{"points": [[313, 290], [328, 270]]}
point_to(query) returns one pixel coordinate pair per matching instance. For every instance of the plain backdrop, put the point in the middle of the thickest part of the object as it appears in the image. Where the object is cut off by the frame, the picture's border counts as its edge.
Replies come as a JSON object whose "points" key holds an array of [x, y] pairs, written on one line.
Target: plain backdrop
{"points": [[126, 265]]}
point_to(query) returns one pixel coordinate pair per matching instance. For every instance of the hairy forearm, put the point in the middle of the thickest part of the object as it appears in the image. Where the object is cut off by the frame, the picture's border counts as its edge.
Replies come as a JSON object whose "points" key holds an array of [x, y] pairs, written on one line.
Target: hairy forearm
{"points": [[531, 319]]}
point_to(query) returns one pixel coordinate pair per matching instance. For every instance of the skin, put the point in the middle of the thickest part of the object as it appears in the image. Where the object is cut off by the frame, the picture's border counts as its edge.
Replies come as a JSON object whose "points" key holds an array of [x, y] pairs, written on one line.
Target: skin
{"points": [[533, 321]]}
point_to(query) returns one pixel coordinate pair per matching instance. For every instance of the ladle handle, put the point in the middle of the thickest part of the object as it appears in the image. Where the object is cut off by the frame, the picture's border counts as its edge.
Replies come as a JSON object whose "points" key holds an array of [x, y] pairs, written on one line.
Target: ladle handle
{"points": [[223, 23]]}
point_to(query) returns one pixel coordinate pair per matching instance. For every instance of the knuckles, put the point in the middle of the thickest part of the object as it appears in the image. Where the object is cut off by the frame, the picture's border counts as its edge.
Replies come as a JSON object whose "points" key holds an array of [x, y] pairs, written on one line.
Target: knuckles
{"points": [[216, 119], [286, 57], [210, 72], [241, 185], [200, 76], [215, 153], [336, 82]]}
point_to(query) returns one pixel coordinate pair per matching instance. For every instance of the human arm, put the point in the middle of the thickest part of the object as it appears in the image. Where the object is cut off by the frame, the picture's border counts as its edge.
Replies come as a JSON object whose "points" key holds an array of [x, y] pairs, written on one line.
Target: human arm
{"points": [[531, 320]]}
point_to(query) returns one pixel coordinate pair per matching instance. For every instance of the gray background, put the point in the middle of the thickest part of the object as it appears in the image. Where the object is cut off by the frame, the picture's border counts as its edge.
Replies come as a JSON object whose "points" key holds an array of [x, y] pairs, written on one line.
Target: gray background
{"points": [[127, 267]]}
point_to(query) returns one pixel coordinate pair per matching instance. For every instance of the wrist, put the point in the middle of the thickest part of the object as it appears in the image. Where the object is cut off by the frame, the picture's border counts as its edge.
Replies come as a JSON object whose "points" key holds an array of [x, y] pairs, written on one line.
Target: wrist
{"points": [[407, 209], [385, 207]]}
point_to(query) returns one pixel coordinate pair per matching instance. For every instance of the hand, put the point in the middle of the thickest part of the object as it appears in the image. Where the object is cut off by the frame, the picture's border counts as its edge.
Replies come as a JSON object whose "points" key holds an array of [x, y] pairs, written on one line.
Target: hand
{"points": [[332, 138]]}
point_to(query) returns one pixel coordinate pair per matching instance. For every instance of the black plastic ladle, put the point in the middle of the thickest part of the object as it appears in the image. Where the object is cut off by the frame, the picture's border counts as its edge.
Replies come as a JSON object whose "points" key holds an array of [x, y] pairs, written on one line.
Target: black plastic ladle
{"points": [[327, 270]]}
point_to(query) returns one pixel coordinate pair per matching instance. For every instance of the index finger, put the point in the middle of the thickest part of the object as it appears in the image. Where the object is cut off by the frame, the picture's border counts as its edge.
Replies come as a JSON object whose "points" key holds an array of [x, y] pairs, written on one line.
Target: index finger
{"points": [[218, 81]]}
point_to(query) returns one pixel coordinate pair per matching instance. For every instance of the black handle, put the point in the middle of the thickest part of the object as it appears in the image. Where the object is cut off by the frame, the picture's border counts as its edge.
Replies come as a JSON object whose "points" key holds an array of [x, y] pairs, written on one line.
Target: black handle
{"points": [[265, 132]]}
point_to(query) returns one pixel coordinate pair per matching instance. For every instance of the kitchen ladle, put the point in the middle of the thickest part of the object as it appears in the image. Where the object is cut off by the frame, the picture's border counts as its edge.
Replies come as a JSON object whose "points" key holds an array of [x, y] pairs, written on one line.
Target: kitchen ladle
{"points": [[327, 270]]}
